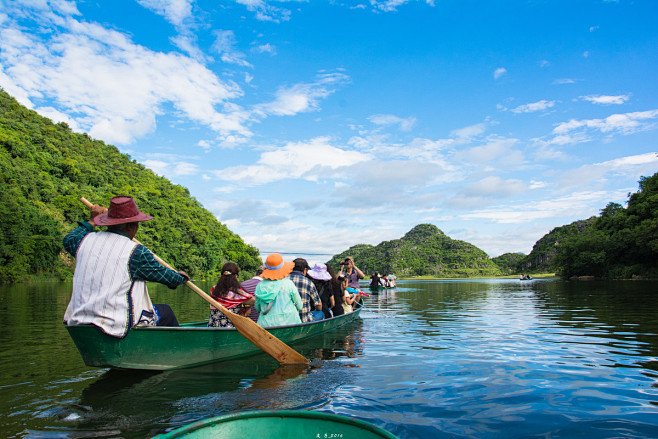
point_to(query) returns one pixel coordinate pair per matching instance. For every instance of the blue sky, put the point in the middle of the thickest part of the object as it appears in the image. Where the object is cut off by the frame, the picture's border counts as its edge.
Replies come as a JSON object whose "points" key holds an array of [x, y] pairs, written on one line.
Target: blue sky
{"points": [[308, 127]]}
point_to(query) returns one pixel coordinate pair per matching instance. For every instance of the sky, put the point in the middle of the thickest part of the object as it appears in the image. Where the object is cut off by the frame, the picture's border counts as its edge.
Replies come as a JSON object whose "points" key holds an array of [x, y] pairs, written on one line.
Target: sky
{"points": [[310, 126]]}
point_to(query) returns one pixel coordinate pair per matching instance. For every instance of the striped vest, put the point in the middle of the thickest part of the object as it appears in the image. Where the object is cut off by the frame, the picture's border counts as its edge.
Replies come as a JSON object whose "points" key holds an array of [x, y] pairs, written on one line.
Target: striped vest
{"points": [[104, 294]]}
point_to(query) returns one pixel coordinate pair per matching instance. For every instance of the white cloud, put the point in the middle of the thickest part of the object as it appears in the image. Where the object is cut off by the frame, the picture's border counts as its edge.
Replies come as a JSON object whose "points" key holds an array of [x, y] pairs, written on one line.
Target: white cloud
{"points": [[174, 11], [495, 148], [312, 160], [303, 97], [499, 72], [564, 81], [265, 48], [224, 45], [171, 170], [469, 131], [112, 87], [534, 107], [406, 124], [486, 191], [606, 100], [581, 205], [597, 173], [626, 123], [264, 11]]}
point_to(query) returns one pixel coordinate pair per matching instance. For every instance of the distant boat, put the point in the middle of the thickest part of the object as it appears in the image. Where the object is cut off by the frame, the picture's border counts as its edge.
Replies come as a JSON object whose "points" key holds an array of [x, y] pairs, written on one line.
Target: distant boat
{"points": [[191, 344], [525, 277]]}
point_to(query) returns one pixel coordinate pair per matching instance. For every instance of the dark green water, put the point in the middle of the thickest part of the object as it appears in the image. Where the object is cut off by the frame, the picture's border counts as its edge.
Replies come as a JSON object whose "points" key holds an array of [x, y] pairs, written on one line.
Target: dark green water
{"points": [[458, 359]]}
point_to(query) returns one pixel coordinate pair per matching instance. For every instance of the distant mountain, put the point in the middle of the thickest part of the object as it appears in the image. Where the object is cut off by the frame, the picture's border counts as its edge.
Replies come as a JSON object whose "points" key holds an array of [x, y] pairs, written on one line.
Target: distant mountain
{"points": [[509, 263], [45, 169], [423, 251]]}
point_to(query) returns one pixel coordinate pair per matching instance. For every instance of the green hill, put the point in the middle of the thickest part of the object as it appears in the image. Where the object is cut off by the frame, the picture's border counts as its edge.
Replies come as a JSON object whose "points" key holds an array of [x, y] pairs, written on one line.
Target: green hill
{"points": [[45, 169], [423, 251], [543, 252]]}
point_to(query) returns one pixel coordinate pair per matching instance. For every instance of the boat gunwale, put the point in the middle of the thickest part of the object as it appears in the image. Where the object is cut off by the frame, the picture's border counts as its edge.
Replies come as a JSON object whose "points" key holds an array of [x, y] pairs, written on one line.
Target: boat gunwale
{"points": [[191, 325]]}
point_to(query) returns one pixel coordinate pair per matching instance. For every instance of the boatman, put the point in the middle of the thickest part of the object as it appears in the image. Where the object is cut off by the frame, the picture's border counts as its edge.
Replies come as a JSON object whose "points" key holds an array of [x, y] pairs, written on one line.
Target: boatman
{"points": [[111, 271]]}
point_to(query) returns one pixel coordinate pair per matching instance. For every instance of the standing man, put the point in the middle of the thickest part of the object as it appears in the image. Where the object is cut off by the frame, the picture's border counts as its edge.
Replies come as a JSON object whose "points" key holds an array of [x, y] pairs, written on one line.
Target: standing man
{"points": [[351, 272], [311, 304], [111, 271]]}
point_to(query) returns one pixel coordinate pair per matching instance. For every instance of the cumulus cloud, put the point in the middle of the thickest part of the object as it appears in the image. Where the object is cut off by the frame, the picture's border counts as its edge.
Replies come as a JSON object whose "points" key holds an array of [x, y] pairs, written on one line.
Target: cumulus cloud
{"points": [[111, 87], [405, 124], [534, 107], [499, 72], [606, 100], [313, 160]]}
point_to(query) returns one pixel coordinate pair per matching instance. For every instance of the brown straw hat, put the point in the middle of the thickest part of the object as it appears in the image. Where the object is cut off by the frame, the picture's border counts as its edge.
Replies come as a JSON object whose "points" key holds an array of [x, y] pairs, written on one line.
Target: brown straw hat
{"points": [[122, 210], [276, 268]]}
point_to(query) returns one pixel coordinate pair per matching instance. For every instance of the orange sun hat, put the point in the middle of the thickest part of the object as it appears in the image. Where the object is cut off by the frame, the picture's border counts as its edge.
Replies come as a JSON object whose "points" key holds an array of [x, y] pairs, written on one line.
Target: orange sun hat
{"points": [[276, 268]]}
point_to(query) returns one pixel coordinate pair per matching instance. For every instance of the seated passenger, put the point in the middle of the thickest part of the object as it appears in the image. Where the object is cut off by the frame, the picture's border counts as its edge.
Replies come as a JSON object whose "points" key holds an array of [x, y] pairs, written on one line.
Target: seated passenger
{"points": [[322, 280], [311, 304], [230, 295], [337, 291], [277, 298], [350, 296]]}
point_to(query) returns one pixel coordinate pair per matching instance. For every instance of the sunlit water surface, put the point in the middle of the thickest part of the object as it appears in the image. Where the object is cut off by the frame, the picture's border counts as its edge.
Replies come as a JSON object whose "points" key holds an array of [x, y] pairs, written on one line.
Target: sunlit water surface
{"points": [[458, 359]]}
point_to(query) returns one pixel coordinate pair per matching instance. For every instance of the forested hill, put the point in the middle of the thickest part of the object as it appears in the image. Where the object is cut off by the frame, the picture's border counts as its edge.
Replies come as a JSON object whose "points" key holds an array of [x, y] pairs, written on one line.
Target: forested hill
{"points": [[423, 251], [45, 169]]}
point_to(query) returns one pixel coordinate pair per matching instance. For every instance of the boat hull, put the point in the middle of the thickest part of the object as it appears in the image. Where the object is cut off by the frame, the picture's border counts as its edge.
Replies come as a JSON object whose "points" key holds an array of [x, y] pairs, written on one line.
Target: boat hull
{"points": [[165, 348], [279, 424]]}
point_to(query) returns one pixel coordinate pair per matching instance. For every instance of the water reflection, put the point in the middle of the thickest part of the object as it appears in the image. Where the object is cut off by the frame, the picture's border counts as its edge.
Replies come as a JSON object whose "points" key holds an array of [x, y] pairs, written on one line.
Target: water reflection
{"points": [[479, 358]]}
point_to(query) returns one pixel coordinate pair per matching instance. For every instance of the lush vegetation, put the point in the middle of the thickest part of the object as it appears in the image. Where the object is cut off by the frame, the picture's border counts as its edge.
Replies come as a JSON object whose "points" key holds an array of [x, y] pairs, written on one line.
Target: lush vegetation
{"points": [[509, 263], [45, 169], [423, 251], [620, 243]]}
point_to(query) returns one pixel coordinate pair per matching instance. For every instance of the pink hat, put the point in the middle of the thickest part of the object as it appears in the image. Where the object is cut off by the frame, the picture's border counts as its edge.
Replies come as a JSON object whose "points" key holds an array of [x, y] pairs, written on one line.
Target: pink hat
{"points": [[122, 210], [276, 268]]}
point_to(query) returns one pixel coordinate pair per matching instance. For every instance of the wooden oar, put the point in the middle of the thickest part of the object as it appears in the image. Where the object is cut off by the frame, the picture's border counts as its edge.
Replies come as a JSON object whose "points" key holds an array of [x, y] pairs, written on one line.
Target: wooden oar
{"points": [[256, 334]]}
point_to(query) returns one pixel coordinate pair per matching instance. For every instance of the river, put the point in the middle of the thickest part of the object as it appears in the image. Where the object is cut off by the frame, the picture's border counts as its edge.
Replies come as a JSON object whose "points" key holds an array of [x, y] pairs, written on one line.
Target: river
{"points": [[498, 358]]}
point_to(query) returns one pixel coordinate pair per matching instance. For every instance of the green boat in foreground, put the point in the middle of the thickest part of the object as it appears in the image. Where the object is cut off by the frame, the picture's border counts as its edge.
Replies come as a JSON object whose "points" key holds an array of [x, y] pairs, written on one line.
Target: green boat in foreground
{"points": [[279, 424], [191, 344]]}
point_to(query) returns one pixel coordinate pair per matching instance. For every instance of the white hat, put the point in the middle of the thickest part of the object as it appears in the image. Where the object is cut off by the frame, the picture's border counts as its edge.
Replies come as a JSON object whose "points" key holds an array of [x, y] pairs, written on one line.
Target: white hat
{"points": [[319, 272]]}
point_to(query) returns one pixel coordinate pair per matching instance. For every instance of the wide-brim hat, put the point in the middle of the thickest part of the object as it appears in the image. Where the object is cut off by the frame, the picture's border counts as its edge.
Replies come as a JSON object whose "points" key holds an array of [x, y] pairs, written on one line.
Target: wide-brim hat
{"points": [[122, 210], [319, 272], [276, 268]]}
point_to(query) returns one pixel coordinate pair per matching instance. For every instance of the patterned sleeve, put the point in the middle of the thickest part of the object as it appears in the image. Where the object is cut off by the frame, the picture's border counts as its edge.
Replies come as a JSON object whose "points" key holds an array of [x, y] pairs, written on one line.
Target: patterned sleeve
{"points": [[74, 238], [144, 266]]}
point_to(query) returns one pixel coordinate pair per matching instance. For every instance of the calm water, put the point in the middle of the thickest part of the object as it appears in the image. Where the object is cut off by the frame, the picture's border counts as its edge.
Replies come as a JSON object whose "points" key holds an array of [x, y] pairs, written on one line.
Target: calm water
{"points": [[458, 359]]}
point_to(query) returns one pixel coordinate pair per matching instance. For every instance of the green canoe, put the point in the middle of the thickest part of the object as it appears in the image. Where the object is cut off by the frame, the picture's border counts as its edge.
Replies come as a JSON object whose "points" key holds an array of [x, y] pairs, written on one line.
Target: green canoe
{"points": [[279, 425], [191, 344]]}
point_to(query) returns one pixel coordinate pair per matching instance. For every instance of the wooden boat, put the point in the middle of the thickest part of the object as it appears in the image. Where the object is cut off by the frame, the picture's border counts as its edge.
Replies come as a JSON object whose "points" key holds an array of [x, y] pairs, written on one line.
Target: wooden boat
{"points": [[191, 344], [279, 424]]}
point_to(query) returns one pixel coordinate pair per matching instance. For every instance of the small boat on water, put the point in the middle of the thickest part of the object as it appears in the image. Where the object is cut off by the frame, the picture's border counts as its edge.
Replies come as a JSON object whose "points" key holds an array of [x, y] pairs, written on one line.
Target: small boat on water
{"points": [[191, 344], [279, 424]]}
